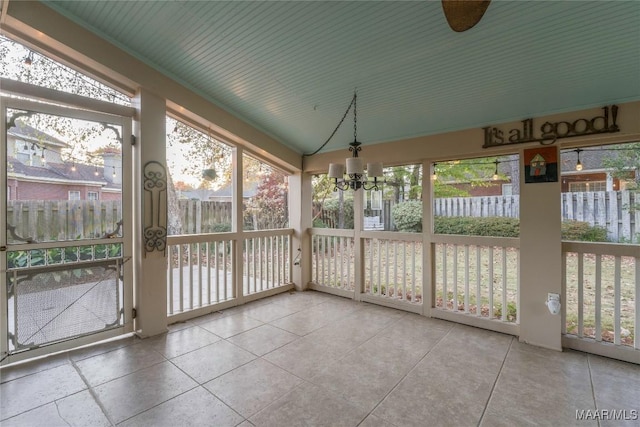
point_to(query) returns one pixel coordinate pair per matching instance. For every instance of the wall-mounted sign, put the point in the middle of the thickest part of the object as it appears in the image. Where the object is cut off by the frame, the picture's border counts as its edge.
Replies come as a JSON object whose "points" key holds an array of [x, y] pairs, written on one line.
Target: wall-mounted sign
{"points": [[550, 132]]}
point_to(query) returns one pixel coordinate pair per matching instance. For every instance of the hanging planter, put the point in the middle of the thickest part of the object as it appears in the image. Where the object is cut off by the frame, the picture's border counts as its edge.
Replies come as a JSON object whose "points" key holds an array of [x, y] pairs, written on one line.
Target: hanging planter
{"points": [[209, 174]]}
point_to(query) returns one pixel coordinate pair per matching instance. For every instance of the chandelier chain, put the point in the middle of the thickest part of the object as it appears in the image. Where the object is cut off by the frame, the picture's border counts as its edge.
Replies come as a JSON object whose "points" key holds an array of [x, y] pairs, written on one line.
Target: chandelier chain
{"points": [[355, 117], [353, 100]]}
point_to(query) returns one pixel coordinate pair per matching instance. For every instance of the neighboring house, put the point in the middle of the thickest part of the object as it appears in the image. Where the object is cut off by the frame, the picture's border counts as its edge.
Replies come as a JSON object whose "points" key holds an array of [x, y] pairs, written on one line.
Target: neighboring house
{"points": [[36, 170], [593, 176]]}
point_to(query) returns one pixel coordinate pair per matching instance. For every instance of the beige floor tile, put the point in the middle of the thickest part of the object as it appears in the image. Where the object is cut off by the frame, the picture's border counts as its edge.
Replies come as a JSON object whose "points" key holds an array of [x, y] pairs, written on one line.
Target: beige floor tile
{"points": [[19, 370], [229, 326], [195, 408], [212, 361], [77, 410], [373, 421], [609, 378], [180, 342], [367, 374], [253, 386], [104, 347], [315, 317], [117, 363], [268, 312], [311, 406], [135, 393], [540, 388], [262, 339], [23, 394]]}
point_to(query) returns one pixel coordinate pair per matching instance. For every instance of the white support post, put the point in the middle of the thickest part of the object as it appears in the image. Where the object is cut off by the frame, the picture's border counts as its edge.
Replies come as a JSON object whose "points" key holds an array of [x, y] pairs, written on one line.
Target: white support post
{"points": [[150, 275], [300, 219], [428, 264], [237, 224], [358, 222], [540, 246]]}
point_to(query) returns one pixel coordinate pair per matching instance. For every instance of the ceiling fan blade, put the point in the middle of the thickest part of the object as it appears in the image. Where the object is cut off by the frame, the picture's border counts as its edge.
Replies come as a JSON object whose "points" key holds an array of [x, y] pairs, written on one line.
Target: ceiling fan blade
{"points": [[464, 14]]}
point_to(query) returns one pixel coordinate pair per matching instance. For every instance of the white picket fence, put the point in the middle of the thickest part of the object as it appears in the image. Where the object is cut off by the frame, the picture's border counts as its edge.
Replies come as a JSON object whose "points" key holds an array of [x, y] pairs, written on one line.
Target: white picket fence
{"points": [[612, 210]]}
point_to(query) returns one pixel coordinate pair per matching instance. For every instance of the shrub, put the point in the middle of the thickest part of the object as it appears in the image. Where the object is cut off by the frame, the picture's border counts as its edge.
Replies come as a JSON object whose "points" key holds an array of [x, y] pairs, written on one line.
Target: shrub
{"points": [[221, 228], [333, 206], [477, 226], [407, 216], [583, 231]]}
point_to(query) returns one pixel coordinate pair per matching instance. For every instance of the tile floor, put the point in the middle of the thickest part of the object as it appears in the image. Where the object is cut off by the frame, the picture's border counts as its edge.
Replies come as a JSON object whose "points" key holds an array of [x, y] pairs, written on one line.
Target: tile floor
{"points": [[313, 359]]}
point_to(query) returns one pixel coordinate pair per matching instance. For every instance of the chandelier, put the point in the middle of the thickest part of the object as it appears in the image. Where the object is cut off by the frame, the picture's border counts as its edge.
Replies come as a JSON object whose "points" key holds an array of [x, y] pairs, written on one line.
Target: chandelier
{"points": [[355, 177]]}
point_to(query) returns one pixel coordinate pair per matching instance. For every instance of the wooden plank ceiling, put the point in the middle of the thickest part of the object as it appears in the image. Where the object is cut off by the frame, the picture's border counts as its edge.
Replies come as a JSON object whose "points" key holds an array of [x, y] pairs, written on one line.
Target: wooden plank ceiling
{"points": [[290, 68]]}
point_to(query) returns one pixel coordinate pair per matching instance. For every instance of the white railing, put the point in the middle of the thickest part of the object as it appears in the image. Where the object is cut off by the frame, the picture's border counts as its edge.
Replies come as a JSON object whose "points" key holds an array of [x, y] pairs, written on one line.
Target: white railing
{"points": [[267, 260], [477, 276], [333, 258], [393, 266], [601, 287], [200, 271], [202, 268]]}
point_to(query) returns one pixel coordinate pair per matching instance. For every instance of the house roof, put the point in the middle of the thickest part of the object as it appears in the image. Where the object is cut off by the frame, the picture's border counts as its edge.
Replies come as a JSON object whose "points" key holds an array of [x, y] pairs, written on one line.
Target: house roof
{"points": [[23, 131], [55, 172]]}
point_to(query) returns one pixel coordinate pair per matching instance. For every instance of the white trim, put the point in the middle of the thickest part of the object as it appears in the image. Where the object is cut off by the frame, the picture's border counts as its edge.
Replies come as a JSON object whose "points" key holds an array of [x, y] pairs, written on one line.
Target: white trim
{"points": [[41, 180], [588, 345]]}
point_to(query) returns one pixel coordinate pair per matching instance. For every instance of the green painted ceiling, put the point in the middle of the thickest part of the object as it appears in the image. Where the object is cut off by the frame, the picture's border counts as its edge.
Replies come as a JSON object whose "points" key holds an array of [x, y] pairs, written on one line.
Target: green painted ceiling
{"points": [[290, 68]]}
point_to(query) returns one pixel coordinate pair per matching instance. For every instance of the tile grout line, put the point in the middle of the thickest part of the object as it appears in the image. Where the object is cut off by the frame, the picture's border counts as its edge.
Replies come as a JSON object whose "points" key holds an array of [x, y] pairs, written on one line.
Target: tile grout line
{"points": [[405, 376], [593, 390], [92, 392], [493, 387]]}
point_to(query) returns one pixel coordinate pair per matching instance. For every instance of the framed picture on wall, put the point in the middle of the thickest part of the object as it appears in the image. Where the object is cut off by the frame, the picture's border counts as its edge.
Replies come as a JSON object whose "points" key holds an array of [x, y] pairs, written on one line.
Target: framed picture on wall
{"points": [[541, 165]]}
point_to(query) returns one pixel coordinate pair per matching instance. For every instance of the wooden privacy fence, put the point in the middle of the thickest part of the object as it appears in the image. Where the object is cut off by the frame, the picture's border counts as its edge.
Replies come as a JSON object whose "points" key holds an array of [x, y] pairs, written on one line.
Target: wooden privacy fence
{"points": [[46, 220], [612, 210], [199, 216]]}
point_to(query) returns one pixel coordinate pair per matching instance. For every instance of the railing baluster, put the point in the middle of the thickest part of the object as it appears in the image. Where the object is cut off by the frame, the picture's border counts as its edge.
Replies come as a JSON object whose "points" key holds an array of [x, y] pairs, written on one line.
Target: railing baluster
{"points": [[172, 250], [181, 288], [598, 297], [478, 281], [379, 267], [386, 267], [200, 283], [580, 294], [316, 245], [466, 278], [208, 255], [350, 252], [490, 282], [324, 255], [455, 277], [617, 293], [504, 284], [404, 271], [395, 268], [224, 266], [254, 260], [342, 258], [445, 297], [413, 274], [191, 284], [371, 282], [217, 264], [330, 273]]}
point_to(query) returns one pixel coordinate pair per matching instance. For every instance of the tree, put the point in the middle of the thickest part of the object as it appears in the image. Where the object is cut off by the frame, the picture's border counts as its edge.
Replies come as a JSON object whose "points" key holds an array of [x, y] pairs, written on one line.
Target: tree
{"points": [[456, 178], [270, 206], [624, 162]]}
